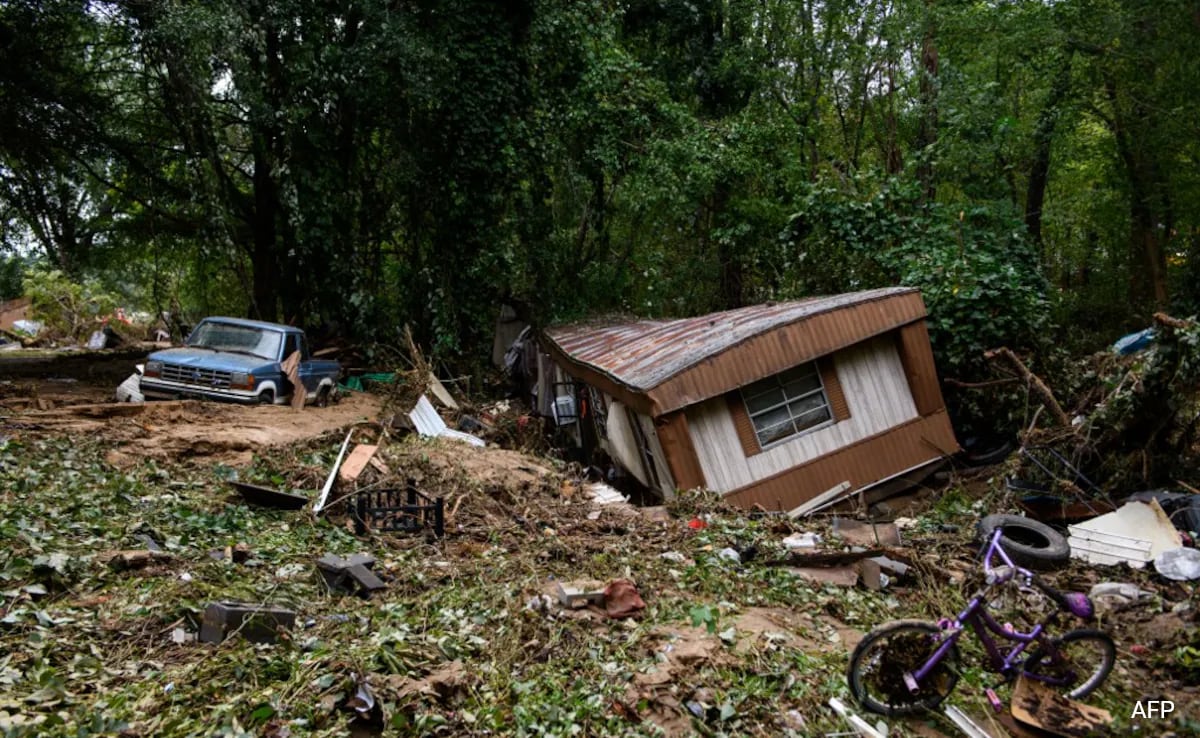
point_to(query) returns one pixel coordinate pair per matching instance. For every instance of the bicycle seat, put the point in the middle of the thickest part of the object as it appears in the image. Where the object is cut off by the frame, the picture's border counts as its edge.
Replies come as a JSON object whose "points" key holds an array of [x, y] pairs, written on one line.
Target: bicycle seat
{"points": [[1080, 605], [1076, 603]]}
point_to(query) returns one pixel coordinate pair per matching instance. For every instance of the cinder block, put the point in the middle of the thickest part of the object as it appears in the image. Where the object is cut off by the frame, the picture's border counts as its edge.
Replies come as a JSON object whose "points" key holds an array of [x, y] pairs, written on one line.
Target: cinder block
{"points": [[256, 623]]}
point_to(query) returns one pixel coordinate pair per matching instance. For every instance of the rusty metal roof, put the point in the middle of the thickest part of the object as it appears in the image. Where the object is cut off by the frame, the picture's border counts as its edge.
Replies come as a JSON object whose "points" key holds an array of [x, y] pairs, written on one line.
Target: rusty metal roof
{"points": [[690, 359]]}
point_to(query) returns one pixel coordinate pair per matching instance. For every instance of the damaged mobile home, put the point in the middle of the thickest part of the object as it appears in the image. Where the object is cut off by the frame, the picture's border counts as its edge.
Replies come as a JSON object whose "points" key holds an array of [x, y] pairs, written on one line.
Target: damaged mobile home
{"points": [[785, 405]]}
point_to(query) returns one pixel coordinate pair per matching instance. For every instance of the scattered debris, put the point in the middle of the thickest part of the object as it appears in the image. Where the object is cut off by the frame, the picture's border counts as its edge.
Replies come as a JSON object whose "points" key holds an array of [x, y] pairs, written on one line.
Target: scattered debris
{"points": [[337, 464], [358, 459], [578, 594], [1134, 534], [256, 623], [842, 576], [602, 494], [801, 540], [964, 723], [125, 560], [1040, 705], [825, 499], [861, 727], [405, 510], [866, 534], [267, 497], [622, 600], [440, 393], [1180, 564], [429, 424], [131, 389], [1111, 595], [350, 575]]}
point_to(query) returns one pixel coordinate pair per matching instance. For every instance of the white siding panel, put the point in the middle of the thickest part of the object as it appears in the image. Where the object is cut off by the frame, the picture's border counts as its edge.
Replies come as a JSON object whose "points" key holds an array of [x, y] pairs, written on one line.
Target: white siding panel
{"points": [[877, 393], [667, 486], [622, 443]]}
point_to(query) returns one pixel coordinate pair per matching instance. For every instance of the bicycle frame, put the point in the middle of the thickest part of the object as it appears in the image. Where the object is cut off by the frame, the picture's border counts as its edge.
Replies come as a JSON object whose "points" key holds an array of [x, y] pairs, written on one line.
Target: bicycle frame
{"points": [[976, 616]]}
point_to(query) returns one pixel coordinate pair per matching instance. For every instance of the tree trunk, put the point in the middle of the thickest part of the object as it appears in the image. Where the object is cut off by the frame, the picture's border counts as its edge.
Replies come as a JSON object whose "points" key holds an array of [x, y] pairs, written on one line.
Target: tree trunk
{"points": [[263, 263], [1039, 173], [927, 130]]}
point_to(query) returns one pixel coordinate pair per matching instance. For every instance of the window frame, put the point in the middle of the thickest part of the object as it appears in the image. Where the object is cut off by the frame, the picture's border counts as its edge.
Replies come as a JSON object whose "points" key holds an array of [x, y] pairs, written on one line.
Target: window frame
{"points": [[821, 390]]}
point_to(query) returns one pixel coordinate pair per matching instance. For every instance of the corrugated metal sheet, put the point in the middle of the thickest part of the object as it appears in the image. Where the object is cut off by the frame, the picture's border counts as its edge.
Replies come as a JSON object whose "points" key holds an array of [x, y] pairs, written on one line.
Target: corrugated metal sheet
{"points": [[876, 391], [865, 463], [663, 365]]}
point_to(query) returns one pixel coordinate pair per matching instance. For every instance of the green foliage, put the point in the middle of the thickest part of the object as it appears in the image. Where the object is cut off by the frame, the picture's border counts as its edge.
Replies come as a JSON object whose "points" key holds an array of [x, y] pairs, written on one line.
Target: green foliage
{"points": [[69, 309], [12, 277]]}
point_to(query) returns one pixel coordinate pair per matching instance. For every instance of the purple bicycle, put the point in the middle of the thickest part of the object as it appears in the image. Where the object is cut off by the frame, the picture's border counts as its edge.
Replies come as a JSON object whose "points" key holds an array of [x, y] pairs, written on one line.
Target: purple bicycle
{"points": [[907, 666]]}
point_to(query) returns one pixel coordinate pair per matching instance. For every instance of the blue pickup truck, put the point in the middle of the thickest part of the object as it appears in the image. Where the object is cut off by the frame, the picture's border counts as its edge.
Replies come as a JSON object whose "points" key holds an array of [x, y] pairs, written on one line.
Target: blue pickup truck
{"points": [[240, 361]]}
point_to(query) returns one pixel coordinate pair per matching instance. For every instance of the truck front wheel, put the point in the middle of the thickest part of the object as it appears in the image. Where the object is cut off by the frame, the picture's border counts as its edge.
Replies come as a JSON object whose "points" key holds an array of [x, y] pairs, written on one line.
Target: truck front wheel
{"points": [[266, 397]]}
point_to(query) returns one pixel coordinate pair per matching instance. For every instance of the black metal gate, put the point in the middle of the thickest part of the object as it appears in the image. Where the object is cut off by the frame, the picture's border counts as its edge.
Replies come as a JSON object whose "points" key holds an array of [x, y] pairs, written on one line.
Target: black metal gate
{"points": [[405, 510]]}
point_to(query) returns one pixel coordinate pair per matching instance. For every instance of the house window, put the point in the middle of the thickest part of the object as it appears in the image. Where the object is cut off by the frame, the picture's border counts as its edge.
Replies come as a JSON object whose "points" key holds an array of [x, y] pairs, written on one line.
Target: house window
{"points": [[787, 404]]}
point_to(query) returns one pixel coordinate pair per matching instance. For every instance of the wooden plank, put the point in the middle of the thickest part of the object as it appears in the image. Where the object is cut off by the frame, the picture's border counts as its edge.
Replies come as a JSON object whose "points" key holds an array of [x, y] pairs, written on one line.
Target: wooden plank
{"points": [[357, 461]]}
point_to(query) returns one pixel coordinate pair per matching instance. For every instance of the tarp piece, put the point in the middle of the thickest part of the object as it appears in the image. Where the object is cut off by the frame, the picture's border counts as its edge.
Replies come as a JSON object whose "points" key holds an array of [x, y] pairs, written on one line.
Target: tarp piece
{"points": [[1134, 342], [428, 423]]}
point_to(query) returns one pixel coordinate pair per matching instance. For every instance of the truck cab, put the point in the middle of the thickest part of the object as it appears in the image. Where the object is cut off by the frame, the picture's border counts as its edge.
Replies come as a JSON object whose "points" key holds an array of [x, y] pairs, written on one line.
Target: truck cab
{"points": [[239, 360]]}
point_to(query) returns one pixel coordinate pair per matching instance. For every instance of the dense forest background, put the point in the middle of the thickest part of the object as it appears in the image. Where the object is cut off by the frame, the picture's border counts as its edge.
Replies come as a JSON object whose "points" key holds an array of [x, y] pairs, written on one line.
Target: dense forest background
{"points": [[359, 165]]}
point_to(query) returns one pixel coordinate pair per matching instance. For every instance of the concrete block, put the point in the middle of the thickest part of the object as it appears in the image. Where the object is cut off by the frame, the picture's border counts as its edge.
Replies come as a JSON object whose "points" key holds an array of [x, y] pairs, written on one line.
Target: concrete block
{"points": [[256, 623]]}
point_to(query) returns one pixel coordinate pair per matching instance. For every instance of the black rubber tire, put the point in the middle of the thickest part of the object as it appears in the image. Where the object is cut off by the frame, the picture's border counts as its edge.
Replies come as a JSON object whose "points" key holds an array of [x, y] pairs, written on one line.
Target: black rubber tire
{"points": [[1027, 542], [876, 670], [266, 397], [1075, 645], [323, 396]]}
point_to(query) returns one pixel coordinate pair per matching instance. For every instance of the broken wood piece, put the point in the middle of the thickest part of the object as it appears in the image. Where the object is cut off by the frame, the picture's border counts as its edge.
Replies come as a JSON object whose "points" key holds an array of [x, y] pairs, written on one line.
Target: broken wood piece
{"points": [[440, 393], [826, 498], [871, 574], [841, 576], [1036, 384], [826, 559], [866, 534], [1166, 320], [1039, 705], [136, 559], [357, 461]]}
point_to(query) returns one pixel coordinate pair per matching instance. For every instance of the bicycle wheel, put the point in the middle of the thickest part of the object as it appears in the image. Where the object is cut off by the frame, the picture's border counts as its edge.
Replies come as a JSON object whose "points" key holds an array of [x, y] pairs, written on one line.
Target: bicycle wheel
{"points": [[1076, 663], [879, 663]]}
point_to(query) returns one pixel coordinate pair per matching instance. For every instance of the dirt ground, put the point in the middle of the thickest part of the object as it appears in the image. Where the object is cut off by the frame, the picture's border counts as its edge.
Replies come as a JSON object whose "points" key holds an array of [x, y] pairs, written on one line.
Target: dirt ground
{"points": [[73, 395]]}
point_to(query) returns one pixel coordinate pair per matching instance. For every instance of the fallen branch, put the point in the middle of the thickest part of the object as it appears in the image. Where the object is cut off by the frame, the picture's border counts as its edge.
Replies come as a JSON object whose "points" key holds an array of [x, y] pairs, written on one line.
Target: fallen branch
{"points": [[1166, 320], [1037, 385]]}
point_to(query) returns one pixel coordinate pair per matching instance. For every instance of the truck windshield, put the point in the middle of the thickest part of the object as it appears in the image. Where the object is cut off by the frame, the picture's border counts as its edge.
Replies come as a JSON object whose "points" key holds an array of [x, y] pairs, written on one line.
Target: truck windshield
{"points": [[237, 338]]}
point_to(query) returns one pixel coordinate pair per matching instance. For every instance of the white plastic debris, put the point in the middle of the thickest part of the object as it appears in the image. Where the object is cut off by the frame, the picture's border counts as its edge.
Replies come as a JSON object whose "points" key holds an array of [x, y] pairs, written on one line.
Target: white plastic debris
{"points": [[1108, 595], [1180, 564], [674, 556], [801, 540], [729, 554]]}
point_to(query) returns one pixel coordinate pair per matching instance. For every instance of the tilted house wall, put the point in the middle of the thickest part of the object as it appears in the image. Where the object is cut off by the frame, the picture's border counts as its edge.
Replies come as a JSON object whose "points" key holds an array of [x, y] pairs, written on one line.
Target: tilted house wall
{"points": [[857, 367]]}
